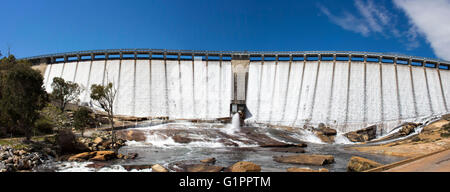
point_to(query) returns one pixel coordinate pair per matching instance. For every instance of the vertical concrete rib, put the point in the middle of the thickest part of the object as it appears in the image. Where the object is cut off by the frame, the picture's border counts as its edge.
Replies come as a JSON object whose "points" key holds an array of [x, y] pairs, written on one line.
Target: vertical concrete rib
{"points": [[134, 85], [416, 112], [348, 92], [76, 70], [381, 94], [399, 105], [207, 86], [64, 65], [220, 83], [319, 58], [193, 85], [287, 89], [300, 91], [89, 76], [150, 83], [365, 108], [259, 89], [104, 68], [428, 87], [180, 90], [48, 75], [118, 82], [330, 100], [166, 91], [442, 88], [273, 89]]}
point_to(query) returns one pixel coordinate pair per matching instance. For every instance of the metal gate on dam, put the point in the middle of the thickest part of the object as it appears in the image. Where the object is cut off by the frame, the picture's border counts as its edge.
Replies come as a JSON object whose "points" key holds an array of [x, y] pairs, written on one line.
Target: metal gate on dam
{"points": [[347, 90]]}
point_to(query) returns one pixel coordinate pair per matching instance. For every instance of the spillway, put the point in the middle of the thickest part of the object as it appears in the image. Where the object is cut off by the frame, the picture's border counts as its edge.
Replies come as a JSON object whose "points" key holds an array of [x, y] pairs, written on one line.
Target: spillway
{"points": [[347, 94]]}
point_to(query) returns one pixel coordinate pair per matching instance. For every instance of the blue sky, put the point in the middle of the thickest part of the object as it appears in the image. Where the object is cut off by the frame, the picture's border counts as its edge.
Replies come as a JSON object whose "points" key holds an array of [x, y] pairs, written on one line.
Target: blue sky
{"points": [[32, 27]]}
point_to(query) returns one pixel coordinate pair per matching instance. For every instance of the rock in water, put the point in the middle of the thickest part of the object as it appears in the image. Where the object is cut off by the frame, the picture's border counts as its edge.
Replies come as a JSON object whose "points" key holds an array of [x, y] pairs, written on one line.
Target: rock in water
{"points": [[359, 164], [362, 135], [296, 169], [245, 166], [305, 159], [407, 128], [327, 130], [159, 168], [208, 160], [104, 156], [203, 168]]}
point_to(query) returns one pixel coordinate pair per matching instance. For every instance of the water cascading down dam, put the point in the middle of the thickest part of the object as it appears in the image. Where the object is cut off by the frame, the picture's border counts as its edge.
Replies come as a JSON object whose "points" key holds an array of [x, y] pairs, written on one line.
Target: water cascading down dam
{"points": [[346, 90]]}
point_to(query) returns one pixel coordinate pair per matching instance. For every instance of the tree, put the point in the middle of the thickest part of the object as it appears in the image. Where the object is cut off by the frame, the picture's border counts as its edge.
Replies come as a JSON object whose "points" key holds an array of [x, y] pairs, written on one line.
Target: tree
{"points": [[64, 92], [104, 97], [81, 119], [21, 94]]}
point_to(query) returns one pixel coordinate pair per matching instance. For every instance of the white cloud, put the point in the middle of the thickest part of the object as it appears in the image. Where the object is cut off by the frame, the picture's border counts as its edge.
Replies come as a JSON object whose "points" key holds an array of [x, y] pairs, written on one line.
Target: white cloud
{"points": [[373, 18], [431, 19]]}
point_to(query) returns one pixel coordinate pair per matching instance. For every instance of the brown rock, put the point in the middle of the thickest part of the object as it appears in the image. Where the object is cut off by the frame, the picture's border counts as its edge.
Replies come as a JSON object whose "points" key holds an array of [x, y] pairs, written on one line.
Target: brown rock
{"points": [[407, 128], [82, 156], [97, 165], [245, 166], [131, 135], [103, 156], [136, 167], [359, 164], [305, 159], [296, 169], [289, 150], [98, 140], [203, 168], [208, 160], [327, 131], [159, 168], [362, 135], [181, 139]]}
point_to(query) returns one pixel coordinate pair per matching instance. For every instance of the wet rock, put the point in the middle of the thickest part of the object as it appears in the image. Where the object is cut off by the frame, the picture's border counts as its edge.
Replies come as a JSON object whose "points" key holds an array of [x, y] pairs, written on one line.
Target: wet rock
{"points": [[289, 150], [446, 117], [131, 135], [103, 156], [203, 168], [296, 169], [305, 159], [327, 131], [245, 166], [82, 156], [359, 164], [98, 165], [136, 167], [159, 168], [362, 135], [407, 128], [208, 160], [181, 139], [282, 145]]}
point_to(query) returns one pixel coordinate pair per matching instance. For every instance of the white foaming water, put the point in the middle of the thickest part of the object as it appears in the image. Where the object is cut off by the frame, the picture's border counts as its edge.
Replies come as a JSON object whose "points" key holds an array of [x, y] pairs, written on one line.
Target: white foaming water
{"points": [[341, 139], [235, 126], [82, 167]]}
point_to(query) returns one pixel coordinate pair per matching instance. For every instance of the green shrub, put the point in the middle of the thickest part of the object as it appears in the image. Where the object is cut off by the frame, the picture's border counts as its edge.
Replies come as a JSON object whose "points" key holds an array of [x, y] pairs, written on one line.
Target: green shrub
{"points": [[44, 126]]}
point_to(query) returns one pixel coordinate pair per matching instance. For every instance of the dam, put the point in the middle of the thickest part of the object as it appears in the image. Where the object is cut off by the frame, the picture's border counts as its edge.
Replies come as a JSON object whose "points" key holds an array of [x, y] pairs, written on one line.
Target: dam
{"points": [[346, 90]]}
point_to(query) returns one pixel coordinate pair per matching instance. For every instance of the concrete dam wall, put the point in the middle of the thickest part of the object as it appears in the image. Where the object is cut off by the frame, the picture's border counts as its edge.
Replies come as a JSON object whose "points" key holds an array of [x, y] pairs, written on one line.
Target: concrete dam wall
{"points": [[346, 90]]}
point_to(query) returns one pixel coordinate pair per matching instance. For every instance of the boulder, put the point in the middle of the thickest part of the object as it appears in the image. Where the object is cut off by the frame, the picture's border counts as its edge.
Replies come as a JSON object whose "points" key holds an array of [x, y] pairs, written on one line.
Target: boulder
{"points": [[208, 160], [181, 139], [359, 164], [305, 159], [327, 131], [296, 169], [98, 165], [245, 166], [98, 140], [289, 150], [362, 135], [407, 128], [203, 168], [66, 141], [136, 167], [103, 156], [159, 168], [446, 117], [82, 156]]}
